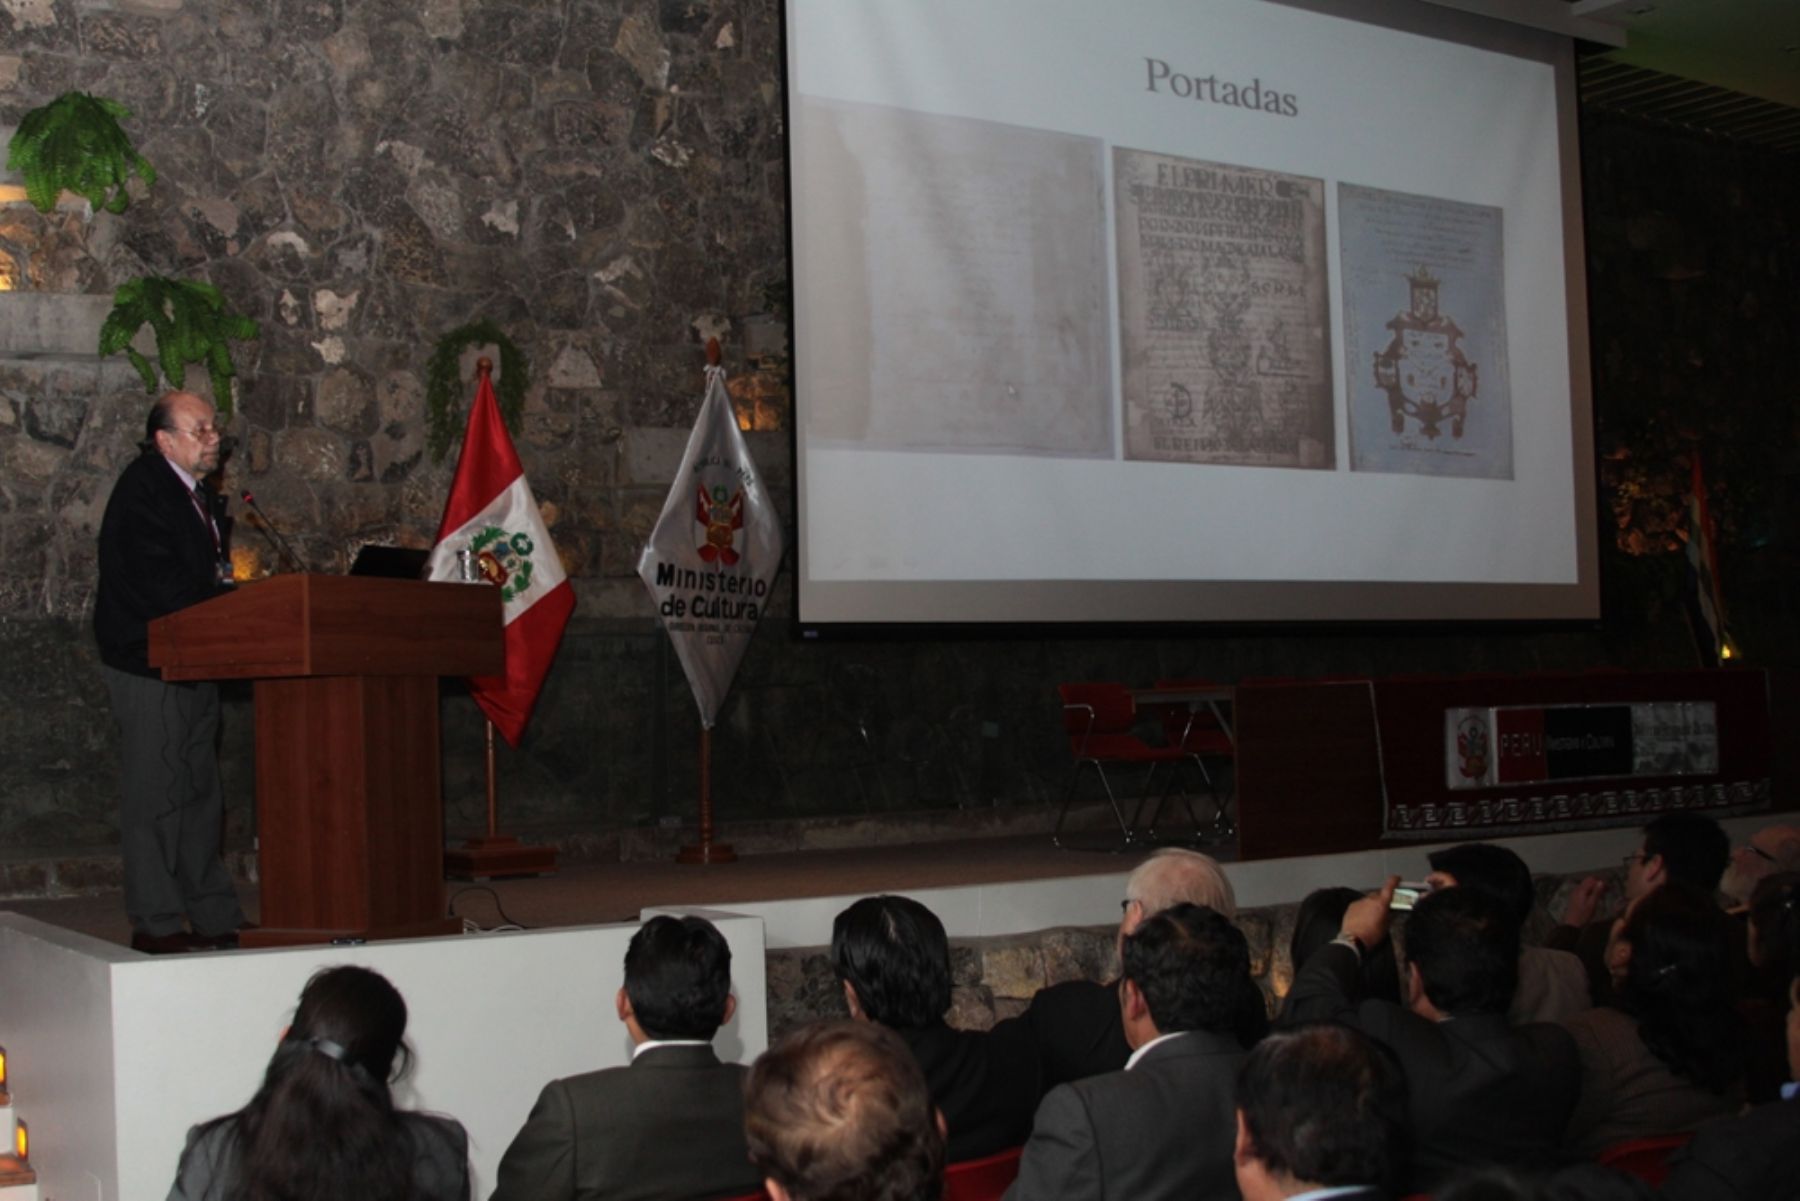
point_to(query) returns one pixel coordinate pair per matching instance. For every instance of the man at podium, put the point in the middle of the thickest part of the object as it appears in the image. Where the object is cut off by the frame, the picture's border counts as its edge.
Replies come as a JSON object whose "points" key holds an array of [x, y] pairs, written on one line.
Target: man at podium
{"points": [[161, 550]]}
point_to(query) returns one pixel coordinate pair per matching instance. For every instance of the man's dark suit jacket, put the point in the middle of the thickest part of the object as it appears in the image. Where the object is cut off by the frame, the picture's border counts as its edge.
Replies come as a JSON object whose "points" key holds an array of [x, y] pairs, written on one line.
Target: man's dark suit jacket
{"points": [[156, 556], [985, 1082], [670, 1125], [1164, 1129], [1482, 1091], [1752, 1158], [1078, 1031]]}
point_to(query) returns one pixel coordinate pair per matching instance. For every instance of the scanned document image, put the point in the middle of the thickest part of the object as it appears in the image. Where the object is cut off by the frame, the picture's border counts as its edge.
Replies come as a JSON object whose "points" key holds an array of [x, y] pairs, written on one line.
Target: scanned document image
{"points": [[1424, 335], [1222, 313], [963, 301]]}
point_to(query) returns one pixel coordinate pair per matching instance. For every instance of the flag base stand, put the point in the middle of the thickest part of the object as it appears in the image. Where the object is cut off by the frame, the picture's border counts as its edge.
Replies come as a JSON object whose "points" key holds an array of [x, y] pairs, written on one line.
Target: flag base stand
{"points": [[496, 855], [706, 852]]}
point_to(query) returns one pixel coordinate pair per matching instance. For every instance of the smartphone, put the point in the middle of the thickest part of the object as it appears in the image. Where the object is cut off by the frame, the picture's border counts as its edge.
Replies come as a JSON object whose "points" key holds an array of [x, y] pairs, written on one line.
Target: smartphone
{"points": [[1407, 894]]}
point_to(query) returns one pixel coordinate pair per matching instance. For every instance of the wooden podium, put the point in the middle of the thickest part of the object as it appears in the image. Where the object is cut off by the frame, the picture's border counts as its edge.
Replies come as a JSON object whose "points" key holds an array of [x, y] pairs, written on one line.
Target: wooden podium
{"points": [[349, 803]]}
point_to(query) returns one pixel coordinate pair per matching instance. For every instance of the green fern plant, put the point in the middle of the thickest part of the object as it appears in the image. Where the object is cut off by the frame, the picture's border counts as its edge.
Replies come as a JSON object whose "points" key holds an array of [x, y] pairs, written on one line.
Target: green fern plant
{"points": [[193, 323], [75, 144]]}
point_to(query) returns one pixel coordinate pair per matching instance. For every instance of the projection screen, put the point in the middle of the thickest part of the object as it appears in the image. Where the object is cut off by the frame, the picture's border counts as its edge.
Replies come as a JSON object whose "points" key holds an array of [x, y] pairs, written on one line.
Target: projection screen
{"points": [[1173, 311]]}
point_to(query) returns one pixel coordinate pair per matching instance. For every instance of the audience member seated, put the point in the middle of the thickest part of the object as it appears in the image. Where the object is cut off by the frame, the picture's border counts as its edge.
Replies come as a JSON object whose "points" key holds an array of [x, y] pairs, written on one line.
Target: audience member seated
{"points": [[1481, 1091], [893, 959], [1755, 1157], [1687, 848], [1320, 918], [323, 1125], [1075, 1025], [1160, 1128], [1321, 1111], [1667, 1056], [839, 1111], [1773, 932], [1552, 983], [1769, 851], [669, 1125]]}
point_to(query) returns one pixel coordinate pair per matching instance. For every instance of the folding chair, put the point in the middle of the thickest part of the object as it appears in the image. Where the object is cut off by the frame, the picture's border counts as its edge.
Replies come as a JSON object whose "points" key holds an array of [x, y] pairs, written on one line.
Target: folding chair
{"points": [[1098, 719], [985, 1179]]}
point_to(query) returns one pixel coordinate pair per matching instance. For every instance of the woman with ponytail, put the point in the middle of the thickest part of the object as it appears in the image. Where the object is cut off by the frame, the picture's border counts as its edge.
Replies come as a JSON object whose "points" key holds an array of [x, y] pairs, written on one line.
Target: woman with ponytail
{"points": [[323, 1125]]}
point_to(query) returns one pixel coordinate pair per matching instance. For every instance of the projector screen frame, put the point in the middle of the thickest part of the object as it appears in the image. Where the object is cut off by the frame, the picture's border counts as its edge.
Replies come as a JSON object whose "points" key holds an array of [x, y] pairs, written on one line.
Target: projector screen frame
{"points": [[1065, 608]]}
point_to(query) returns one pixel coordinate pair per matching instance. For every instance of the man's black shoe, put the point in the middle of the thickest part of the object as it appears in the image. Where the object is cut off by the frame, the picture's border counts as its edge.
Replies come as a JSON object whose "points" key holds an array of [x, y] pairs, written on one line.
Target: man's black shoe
{"points": [[176, 943]]}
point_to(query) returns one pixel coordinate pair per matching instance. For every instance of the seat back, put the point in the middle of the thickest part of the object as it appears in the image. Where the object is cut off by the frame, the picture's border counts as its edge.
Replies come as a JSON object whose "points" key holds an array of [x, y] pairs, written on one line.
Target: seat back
{"points": [[1196, 731], [1645, 1158], [1090, 709], [985, 1179]]}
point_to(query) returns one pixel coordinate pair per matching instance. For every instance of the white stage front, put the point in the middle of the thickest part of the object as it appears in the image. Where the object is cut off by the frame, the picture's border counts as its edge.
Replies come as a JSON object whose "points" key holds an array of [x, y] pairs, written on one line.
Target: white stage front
{"points": [[113, 1054]]}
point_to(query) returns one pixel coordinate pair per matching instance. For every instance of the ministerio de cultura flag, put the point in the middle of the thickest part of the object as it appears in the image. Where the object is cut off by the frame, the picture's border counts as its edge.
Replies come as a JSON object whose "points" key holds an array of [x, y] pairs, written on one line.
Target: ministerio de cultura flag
{"points": [[712, 559], [491, 514]]}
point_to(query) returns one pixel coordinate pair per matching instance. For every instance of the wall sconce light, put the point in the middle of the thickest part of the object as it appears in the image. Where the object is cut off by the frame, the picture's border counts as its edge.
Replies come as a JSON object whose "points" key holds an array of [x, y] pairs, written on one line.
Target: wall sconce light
{"points": [[21, 1142], [5, 1097]]}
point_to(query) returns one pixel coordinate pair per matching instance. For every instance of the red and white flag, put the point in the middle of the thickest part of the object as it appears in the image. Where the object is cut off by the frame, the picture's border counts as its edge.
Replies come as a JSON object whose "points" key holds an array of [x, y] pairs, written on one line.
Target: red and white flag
{"points": [[491, 514], [711, 561]]}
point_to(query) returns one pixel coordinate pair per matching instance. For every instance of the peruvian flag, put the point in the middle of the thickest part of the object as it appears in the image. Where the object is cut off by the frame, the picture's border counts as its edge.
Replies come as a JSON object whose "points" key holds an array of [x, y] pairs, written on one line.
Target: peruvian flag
{"points": [[492, 514]]}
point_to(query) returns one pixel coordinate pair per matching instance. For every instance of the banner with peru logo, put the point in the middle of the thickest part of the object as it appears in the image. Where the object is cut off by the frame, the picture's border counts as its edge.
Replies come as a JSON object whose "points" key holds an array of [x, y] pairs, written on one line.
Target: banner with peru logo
{"points": [[492, 515], [711, 561]]}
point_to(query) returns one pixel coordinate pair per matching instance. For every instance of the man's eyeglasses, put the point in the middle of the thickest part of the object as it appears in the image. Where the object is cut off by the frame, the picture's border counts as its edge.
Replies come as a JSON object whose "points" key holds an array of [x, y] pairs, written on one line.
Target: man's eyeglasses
{"points": [[200, 433], [1634, 857]]}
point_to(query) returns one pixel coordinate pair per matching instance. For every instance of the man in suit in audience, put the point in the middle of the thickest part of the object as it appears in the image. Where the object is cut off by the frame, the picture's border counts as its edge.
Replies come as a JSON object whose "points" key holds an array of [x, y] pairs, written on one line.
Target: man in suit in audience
{"points": [[893, 959], [1075, 1025], [1689, 848], [1321, 1111], [839, 1111], [1752, 1158], [1482, 1090], [1162, 1127], [1770, 850], [669, 1125], [1552, 983]]}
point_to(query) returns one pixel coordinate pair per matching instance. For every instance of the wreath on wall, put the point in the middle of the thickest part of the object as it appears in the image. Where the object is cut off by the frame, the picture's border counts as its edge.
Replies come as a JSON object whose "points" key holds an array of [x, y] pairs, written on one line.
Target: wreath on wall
{"points": [[444, 386]]}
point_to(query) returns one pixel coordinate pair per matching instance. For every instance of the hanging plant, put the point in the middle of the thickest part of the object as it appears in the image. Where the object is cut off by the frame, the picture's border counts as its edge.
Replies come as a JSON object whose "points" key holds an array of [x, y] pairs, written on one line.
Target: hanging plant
{"points": [[75, 144], [444, 386], [193, 324]]}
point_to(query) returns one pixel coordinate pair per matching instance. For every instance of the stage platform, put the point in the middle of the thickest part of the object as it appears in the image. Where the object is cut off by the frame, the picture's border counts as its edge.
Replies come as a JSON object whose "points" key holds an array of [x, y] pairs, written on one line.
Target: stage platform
{"points": [[114, 1054]]}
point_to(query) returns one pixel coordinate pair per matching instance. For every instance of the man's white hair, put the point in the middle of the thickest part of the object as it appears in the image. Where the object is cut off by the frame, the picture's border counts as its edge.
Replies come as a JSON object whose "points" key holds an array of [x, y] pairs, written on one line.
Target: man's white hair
{"points": [[1173, 875]]}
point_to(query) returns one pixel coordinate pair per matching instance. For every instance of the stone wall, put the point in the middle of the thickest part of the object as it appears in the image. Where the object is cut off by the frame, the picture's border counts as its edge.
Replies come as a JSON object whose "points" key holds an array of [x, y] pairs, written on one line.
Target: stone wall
{"points": [[603, 180], [995, 978]]}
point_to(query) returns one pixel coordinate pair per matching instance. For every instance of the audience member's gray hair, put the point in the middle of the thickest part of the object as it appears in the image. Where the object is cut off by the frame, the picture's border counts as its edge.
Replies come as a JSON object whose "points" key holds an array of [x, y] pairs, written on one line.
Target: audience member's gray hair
{"points": [[1173, 875]]}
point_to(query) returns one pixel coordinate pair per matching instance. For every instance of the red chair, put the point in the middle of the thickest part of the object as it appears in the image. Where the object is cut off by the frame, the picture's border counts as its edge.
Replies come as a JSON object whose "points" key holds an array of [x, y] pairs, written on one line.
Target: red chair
{"points": [[1098, 719], [1200, 732], [1645, 1158], [985, 1179]]}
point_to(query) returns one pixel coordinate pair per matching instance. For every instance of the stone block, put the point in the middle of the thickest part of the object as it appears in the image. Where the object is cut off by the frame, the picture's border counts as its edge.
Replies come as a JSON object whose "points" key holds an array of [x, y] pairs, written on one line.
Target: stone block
{"points": [[1012, 971], [89, 873], [26, 878], [311, 454], [971, 1008], [47, 323], [652, 455]]}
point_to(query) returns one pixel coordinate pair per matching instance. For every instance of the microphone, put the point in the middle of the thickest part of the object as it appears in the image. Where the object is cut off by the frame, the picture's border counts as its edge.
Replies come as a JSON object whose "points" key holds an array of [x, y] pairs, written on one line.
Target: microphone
{"points": [[269, 531]]}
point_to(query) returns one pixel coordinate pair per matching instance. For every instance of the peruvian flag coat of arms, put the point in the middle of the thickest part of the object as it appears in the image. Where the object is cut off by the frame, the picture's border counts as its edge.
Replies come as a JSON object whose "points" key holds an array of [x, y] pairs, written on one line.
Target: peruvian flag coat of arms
{"points": [[492, 514], [711, 561]]}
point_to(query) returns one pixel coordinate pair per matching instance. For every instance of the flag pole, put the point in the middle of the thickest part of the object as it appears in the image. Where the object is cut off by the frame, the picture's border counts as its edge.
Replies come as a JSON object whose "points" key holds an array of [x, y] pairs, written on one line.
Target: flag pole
{"points": [[496, 855], [706, 850]]}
